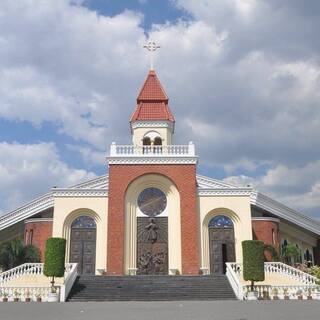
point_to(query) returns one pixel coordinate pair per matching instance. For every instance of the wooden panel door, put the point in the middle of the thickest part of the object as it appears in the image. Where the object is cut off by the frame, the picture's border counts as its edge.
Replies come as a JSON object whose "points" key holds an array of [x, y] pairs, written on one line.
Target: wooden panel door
{"points": [[222, 249], [83, 249]]}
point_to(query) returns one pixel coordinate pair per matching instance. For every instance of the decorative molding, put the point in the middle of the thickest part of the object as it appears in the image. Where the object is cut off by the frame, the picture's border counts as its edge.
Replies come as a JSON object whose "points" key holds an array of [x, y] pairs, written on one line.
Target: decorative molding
{"points": [[265, 219], [33, 207], [262, 201], [225, 192], [63, 193], [101, 182], [153, 160], [152, 124], [38, 220], [206, 183]]}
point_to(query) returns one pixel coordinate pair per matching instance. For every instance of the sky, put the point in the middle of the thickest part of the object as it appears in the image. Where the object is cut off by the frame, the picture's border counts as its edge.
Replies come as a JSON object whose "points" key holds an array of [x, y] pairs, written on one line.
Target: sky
{"points": [[243, 78]]}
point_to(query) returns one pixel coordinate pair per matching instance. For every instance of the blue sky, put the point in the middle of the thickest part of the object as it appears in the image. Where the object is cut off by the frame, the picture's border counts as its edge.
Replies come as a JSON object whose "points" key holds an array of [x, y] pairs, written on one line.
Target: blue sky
{"points": [[242, 76]]}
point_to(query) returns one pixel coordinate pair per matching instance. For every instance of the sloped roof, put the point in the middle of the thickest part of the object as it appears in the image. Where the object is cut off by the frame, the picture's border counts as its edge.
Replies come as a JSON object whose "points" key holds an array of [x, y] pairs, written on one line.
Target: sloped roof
{"points": [[152, 101], [204, 183]]}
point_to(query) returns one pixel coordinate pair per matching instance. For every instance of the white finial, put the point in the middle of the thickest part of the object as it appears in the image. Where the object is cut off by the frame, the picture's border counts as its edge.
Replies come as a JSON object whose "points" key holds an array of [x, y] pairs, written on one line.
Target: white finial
{"points": [[151, 46]]}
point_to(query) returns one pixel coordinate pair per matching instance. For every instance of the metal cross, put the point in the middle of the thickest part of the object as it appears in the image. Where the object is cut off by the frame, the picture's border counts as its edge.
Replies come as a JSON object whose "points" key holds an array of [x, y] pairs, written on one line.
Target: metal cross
{"points": [[151, 46]]}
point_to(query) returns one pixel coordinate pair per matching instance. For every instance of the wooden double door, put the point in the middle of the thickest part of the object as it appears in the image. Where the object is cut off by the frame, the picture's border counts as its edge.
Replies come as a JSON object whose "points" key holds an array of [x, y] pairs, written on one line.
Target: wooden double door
{"points": [[83, 249], [152, 246], [222, 249]]}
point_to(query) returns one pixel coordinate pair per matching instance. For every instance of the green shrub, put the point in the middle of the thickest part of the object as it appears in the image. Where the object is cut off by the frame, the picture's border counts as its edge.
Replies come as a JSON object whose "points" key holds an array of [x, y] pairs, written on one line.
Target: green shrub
{"points": [[54, 258], [290, 252], [273, 251], [13, 254], [253, 261]]}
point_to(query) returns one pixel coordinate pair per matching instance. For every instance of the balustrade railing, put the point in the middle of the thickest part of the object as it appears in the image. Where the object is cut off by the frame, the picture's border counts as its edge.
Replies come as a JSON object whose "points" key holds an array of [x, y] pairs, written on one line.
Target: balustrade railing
{"points": [[163, 150], [308, 289], [33, 292]]}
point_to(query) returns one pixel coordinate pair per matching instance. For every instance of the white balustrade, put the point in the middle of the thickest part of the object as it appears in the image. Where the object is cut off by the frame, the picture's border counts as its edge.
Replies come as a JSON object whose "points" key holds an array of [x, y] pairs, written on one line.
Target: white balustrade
{"points": [[151, 151], [36, 269], [308, 289]]}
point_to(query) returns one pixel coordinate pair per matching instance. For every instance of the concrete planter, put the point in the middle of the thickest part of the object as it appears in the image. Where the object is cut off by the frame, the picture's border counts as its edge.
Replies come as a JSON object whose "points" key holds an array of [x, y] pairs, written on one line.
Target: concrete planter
{"points": [[53, 297], [252, 295]]}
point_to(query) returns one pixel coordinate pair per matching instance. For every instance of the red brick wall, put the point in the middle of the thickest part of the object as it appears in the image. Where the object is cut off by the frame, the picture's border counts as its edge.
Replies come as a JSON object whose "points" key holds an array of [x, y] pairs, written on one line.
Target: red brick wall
{"points": [[41, 231], [184, 177], [262, 230]]}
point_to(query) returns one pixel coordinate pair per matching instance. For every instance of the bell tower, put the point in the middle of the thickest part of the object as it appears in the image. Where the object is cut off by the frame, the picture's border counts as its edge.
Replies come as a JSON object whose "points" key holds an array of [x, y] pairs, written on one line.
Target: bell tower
{"points": [[152, 122], [152, 153]]}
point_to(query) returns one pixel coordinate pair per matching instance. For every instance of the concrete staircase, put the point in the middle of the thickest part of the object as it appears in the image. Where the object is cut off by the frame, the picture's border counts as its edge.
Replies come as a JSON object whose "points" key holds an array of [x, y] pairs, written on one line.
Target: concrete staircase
{"points": [[151, 288]]}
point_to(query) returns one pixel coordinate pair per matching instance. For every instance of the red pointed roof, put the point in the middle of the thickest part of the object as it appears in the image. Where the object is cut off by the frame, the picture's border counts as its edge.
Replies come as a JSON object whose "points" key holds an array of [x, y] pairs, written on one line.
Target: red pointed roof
{"points": [[152, 101]]}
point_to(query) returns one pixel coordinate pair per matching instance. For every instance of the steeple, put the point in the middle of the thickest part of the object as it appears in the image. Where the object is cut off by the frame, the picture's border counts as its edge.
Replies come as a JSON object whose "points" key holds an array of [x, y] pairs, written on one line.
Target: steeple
{"points": [[152, 101], [152, 119]]}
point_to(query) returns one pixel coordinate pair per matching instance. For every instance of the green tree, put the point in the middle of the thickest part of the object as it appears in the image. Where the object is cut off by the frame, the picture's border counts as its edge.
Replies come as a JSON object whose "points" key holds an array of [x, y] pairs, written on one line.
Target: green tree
{"points": [[253, 261], [13, 253], [290, 253], [54, 258]]}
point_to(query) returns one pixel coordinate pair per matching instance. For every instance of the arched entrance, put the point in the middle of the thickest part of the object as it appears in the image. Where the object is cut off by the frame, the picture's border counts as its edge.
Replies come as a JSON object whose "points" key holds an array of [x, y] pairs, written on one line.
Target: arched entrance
{"points": [[152, 233], [221, 243], [83, 244]]}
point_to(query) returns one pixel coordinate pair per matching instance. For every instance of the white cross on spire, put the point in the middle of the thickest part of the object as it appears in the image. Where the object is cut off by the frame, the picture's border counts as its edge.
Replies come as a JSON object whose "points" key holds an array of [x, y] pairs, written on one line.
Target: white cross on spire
{"points": [[151, 46]]}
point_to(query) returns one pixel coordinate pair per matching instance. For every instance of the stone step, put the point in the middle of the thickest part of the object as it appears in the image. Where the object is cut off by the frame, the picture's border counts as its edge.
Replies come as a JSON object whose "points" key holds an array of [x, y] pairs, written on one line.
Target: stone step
{"points": [[151, 288]]}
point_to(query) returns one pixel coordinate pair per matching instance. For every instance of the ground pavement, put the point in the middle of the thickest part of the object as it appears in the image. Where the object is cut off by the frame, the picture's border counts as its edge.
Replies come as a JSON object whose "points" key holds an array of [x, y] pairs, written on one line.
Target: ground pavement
{"points": [[213, 310]]}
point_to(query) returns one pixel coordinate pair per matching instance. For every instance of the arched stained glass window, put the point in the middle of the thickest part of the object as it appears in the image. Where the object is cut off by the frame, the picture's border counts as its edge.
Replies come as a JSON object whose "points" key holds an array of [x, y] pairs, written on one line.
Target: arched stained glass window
{"points": [[83, 222], [221, 222]]}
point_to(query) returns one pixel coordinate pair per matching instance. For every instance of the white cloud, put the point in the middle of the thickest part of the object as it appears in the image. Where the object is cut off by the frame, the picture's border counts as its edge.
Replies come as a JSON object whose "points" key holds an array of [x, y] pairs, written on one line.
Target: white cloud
{"points": [[243, 79], [33, 169]]}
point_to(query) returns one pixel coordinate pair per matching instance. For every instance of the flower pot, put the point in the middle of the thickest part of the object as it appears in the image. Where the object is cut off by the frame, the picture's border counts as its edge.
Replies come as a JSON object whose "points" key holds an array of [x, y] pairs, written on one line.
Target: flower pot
{"points": [[53, 297], [5, 299], [275, 298], [300, 297], [286, 298], [39, 299], [15, 299], [252, 295], [28, 299]]}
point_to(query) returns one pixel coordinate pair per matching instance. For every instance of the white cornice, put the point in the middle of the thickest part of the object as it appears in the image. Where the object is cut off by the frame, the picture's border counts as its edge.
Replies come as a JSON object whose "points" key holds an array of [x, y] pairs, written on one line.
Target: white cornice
{"points": [[240, 192], [65, 192], [33, 207], [265, 219], [278, 209], [207, 183], [153, 160], [38, 220], [101, 182], [152, 124]]}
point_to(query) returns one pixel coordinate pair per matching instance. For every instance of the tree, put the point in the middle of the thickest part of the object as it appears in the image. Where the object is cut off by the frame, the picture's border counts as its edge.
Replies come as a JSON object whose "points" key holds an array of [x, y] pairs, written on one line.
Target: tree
{"points": [[13, 254], [253, 261], [54, 258], [290, 252]]}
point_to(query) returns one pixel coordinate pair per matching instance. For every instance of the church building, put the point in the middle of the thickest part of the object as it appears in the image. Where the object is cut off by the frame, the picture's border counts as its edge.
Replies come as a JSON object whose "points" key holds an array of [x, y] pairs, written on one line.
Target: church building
{"points": [[152, 214]]}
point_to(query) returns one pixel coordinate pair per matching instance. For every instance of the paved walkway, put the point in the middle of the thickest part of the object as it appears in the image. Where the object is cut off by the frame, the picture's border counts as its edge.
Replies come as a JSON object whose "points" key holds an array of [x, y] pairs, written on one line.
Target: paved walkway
{"points": [[216, 310]]}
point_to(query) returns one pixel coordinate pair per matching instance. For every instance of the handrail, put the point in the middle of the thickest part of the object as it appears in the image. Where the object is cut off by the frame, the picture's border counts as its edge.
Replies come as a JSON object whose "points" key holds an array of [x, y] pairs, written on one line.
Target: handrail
{"points": [[233, 275], [284, 269], [23, 269], [156, 150], [71, 274]]}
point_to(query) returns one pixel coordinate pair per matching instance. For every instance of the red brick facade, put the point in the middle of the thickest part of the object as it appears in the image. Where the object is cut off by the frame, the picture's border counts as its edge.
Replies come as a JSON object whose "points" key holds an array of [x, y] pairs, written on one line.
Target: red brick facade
{"points": [[184, 177], [36, 233], [268, 232]]}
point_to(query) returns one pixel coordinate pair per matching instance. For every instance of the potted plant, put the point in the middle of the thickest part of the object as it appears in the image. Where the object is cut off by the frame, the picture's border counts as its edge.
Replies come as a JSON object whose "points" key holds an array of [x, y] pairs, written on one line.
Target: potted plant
{"points": [[309, 295], [38, 297], [286, 294], [299, 294], [275, 292], [27, 296], [253, 264], [16, 296], [4, 296], [54, 263]]}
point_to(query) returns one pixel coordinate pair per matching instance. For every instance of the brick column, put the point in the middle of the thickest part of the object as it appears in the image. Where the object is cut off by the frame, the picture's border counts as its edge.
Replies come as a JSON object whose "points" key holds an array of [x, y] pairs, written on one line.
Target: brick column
{"points": [[184, 177]]}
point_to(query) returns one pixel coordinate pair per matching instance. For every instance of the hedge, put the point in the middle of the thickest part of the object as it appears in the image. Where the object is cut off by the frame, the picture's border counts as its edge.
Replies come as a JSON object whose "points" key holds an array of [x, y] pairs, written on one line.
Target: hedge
{"points": [[55, 257], [253, 260]]}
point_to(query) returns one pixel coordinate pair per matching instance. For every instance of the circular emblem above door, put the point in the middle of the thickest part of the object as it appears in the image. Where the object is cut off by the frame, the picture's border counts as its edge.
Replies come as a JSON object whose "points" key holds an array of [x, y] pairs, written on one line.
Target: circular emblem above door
{"points": [[152, 201]]}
